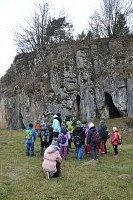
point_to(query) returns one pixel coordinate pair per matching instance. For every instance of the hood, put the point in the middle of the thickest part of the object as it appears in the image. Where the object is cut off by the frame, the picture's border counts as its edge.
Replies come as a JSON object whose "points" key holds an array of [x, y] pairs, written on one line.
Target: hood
{"points": [[52, 149], [54, 142], [115, 129]]}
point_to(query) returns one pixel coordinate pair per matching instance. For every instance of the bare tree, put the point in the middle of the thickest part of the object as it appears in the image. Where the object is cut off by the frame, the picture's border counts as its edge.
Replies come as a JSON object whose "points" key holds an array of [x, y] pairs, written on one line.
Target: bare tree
{"points": [[34, 34], [41, 30], [102, 23]]}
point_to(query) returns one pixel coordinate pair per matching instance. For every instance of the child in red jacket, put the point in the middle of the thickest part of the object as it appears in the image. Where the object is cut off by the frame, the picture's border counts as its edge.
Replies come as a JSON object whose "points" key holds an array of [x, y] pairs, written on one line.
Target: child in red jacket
{"points": [[115, 137]]}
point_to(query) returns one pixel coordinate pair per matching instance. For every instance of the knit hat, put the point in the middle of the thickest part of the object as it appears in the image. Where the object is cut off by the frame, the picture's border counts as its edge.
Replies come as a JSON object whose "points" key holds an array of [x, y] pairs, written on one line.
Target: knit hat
{"points": [[91, 125], [55, 116], [115, 129]]}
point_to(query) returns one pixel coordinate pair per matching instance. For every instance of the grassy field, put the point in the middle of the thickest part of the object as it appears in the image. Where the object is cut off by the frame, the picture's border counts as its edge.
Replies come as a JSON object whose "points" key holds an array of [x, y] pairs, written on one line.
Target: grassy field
{"points": [[21, 177]]}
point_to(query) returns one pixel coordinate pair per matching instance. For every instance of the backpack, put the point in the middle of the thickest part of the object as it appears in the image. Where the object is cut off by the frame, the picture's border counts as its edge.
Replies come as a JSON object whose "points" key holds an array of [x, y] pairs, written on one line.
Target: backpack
{"points": [[77, 141], [119, 139], [95, 137], [28, 134], [62, 139]]}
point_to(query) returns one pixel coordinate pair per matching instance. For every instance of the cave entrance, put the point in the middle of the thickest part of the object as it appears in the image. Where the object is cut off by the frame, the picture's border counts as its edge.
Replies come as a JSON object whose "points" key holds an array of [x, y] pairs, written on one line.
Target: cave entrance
{"points": [[20, 121], [113, 111], [78, 104]]}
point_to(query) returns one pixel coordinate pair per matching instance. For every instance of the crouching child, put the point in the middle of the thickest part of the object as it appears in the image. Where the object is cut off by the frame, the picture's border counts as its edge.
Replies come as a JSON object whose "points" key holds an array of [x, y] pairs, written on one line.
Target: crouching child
{"points": [[52, 161]]}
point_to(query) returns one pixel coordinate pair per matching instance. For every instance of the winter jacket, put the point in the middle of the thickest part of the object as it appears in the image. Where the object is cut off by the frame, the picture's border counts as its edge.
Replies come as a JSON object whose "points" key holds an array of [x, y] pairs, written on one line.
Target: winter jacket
{"points": [[33, 136], [37, 126], [79, 131], [90, 133], [114, 138], [67, 138], [56, 125], [103, 132], [51, 157], [69, 125]]}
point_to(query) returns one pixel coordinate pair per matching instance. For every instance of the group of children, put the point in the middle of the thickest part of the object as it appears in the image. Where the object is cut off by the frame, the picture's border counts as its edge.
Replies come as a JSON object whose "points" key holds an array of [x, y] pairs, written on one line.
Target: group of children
{"points": [[55, 141]]}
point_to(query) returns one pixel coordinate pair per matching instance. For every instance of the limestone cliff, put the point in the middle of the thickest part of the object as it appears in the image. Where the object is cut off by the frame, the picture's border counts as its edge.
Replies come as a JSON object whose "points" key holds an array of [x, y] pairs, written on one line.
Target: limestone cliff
{"points": [[88, 79]]}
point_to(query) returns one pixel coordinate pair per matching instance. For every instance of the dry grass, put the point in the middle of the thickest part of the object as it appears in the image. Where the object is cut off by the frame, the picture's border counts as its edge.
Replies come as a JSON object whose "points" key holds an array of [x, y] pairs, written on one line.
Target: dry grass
{"points": [[21, 177]]}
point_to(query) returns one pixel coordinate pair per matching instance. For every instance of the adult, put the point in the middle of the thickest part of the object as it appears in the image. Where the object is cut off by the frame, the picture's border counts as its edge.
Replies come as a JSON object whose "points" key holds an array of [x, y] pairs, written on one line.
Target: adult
{"points": [[94, 141], [56, 126], [79, 140], [104, 136], [59, 118]]}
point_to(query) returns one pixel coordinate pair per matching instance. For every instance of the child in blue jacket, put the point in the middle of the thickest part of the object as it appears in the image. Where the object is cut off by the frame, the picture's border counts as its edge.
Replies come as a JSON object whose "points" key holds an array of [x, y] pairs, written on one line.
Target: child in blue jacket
{"points": [[30, 136]]}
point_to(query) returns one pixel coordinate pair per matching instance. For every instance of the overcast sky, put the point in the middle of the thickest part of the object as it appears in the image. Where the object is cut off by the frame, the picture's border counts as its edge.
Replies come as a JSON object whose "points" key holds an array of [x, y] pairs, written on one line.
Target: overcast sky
{"points": [[13, 13]]}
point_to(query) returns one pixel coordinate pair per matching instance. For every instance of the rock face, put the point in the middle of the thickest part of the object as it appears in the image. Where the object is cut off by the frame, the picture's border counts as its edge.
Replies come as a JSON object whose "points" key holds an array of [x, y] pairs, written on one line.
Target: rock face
{"points": [[86, 79]]}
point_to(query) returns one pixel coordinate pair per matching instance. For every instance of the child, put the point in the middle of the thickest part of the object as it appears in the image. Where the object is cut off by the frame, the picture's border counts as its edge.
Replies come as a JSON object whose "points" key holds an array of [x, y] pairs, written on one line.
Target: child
{"points": [[52, 160], [79, 140], [69, 126], [37, 127], [63, 142], [44, 137], [30, 136], [115, 136]]}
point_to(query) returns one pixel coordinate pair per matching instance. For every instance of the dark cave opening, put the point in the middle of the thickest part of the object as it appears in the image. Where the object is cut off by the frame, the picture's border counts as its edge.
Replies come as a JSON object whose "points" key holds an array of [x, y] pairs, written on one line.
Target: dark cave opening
{"points": [[113, 111], [78, 102], [21, 124]]}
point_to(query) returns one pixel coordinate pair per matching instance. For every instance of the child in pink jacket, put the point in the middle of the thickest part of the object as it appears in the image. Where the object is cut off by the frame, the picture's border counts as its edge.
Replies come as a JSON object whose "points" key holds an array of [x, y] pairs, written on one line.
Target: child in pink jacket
{"points": [[52, 160], [115, 140]]}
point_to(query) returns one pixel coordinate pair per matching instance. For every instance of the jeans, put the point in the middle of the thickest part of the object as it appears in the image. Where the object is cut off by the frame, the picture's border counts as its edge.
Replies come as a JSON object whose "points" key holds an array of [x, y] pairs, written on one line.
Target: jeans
{"points": [[80, 152], [30, 149]]}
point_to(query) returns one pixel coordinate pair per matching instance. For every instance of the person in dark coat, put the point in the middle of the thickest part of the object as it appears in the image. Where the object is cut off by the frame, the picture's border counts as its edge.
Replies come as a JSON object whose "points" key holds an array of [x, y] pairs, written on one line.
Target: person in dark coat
{"points": [[104, 135], [79, 140], [94, 141]]}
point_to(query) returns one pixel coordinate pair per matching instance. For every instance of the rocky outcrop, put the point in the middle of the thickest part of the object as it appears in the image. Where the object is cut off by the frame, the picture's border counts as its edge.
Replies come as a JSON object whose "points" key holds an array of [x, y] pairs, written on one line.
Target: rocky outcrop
{"points": [[86, 79]]}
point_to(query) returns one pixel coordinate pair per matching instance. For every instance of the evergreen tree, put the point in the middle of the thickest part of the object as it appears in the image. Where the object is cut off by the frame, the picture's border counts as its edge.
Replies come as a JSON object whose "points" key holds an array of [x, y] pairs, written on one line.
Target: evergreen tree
{"points": [[59, 30], [120, 28]]}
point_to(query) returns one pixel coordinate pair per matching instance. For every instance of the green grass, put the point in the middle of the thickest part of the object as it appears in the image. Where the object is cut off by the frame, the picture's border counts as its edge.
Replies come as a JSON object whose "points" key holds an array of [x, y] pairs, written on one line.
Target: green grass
{"points": [[21, 177]]}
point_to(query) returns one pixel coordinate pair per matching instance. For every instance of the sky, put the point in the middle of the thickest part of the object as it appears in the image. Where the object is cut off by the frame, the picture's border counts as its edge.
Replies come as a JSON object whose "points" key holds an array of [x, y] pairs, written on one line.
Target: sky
{"points": [[13, 13]]}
